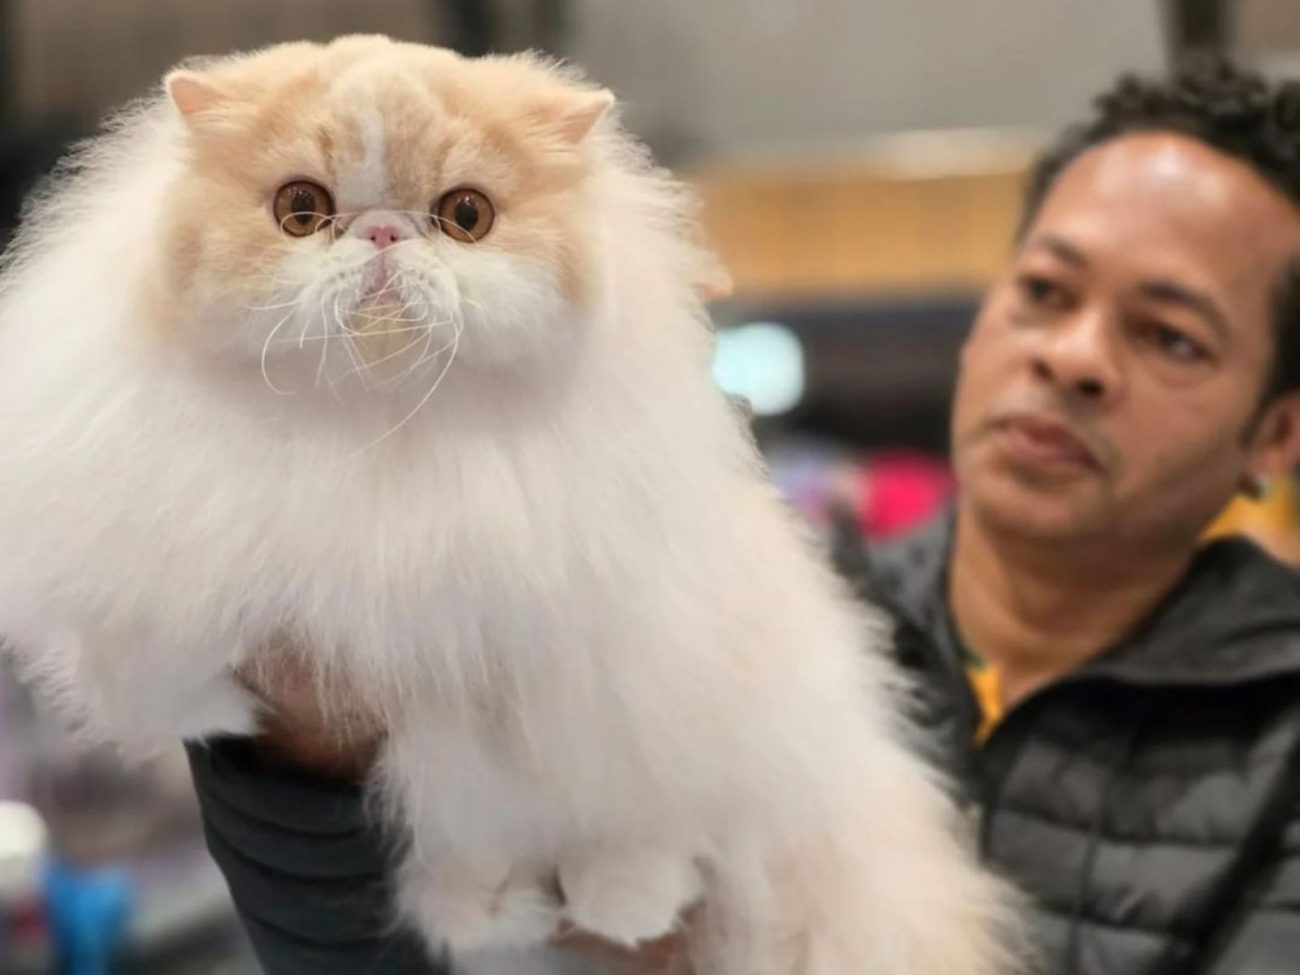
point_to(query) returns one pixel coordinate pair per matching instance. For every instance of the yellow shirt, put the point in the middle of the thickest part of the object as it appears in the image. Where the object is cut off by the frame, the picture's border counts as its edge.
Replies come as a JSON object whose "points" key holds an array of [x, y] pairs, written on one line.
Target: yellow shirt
{"points": [[986, 682], [1273, 521]]}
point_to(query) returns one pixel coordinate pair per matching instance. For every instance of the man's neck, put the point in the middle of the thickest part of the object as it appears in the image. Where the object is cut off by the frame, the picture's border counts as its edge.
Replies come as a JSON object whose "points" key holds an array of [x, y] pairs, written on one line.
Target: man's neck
{"points": [[1037, 611]]}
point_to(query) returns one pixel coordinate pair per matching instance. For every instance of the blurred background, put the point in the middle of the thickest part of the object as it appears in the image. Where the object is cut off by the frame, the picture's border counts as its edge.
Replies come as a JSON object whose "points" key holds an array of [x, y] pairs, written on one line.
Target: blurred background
{"points": [[861, 164]]}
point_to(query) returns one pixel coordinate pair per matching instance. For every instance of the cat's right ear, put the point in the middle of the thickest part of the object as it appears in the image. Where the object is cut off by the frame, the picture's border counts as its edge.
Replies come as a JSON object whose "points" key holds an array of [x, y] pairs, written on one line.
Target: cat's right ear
{"points": [[193, 93]]}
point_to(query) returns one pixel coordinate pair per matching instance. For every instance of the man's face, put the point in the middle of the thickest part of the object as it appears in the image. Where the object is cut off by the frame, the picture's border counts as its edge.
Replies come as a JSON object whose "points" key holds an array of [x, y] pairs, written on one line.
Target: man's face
{"points": [[1110, 381]]}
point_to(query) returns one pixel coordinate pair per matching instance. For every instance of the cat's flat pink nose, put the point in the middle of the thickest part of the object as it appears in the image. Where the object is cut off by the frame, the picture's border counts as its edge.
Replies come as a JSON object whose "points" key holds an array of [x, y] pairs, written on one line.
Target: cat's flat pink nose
{"points": [[382, 235], [383, 228]]}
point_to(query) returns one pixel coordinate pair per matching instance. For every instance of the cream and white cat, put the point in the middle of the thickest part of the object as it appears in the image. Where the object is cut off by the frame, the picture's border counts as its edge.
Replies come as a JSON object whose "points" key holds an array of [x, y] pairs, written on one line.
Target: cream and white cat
{"points": [[403, 354]]}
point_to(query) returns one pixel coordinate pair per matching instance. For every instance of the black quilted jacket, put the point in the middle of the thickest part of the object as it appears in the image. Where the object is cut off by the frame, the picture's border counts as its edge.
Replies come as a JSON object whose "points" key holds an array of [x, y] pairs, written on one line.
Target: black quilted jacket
{"points": [[1149, 802]]}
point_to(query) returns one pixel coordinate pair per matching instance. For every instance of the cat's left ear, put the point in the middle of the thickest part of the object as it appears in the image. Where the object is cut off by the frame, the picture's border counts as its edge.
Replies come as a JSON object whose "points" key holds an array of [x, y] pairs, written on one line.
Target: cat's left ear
{"points": [[194, 93], [574, 114]]}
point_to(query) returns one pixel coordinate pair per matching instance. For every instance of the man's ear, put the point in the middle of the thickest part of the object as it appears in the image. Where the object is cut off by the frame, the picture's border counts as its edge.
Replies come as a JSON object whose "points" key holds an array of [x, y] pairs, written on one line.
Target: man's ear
{"points": [[1275, 445]]}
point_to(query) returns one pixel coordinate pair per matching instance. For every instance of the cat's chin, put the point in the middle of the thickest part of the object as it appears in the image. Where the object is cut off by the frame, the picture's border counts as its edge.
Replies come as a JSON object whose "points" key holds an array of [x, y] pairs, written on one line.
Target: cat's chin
{"points": [[464, 380], [371, 349]]}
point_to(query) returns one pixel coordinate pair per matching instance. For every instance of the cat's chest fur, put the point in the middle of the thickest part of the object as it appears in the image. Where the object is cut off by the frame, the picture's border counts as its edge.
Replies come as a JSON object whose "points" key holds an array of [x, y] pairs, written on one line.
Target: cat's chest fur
{"points": [[451, 535]]}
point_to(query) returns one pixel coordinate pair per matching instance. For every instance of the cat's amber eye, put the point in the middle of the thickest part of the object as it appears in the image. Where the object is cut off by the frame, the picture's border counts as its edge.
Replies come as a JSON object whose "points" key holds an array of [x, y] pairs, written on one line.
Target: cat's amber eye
{"points": [[465, 214], [303, 207]]}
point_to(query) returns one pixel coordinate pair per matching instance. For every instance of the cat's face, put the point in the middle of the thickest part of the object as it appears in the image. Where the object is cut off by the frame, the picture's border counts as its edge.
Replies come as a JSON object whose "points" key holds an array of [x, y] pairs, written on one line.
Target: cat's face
{"points": [[373, 208]]}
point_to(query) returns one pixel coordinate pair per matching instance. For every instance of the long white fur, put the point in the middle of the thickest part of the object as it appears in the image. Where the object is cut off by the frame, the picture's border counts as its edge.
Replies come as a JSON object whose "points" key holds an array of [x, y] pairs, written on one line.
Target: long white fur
{"points": [[600, 642]]}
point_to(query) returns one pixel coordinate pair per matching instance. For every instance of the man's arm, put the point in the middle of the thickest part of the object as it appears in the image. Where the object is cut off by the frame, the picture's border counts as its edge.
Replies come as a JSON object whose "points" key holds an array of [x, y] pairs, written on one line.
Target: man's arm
{"points": [[308, 873], [1263, 937]]}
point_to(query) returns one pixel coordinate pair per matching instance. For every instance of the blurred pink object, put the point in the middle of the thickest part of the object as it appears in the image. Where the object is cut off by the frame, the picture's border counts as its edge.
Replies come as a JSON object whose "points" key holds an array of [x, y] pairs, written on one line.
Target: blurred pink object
{"points": [[901, 490]]}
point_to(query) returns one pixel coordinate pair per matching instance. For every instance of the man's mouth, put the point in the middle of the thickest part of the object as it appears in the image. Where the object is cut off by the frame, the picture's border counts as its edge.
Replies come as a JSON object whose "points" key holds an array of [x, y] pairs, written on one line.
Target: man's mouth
{"points": [[1045, 441]]}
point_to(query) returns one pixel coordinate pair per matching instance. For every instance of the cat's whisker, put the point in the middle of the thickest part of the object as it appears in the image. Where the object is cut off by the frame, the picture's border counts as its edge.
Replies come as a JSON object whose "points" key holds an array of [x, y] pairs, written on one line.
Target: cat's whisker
{"points": [[276, 279], [358, 362], [348, 346], [325, 337], [397, 315], [425, 327], [371, 364], [392, 283], [324, 217], [401, 306], [266, 375], [371, 327], [402, 351], [303, 338], [294, 303], [342, 330], [424, 356], [379, 254], [383, 312], [241, 286], [405, 329], [302, 334], [454, 346], [471, 303], [399, 325], [392, 355], [320, 365]]}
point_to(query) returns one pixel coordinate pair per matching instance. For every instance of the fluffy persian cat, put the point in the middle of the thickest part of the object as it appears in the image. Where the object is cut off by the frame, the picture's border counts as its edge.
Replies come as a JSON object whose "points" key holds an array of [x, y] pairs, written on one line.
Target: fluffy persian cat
{"points": [[403, 355]]}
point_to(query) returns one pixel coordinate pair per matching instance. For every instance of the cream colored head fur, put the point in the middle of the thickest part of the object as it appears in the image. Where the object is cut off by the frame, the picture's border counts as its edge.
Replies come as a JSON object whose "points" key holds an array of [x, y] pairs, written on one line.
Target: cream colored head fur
{"points": [[387, 131]]}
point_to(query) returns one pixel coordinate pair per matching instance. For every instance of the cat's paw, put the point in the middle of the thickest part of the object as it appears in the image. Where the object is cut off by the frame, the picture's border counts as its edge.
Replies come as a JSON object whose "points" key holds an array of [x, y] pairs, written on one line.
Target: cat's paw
{"points": [[474, 905], [628, 895]]}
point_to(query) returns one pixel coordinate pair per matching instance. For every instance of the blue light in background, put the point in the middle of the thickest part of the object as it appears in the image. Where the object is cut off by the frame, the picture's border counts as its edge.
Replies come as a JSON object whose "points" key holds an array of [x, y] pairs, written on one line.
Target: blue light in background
{"points": [[764, 363]]}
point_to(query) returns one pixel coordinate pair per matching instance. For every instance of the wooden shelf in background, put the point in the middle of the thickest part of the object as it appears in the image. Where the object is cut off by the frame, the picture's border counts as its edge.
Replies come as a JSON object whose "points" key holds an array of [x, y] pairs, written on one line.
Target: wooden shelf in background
{"points": [[843, 229]]}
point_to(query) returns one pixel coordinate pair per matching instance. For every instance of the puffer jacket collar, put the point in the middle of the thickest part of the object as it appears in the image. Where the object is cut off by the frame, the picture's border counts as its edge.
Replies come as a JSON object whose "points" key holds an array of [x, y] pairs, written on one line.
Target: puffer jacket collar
{"points": [[1234, 618]]}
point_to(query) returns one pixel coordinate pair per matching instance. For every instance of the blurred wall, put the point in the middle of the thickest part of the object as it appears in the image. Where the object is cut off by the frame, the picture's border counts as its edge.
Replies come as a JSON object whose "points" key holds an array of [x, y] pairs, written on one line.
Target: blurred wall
{"points": [[85, 56], [1268, 33], [1268, 27], [729, 75]]}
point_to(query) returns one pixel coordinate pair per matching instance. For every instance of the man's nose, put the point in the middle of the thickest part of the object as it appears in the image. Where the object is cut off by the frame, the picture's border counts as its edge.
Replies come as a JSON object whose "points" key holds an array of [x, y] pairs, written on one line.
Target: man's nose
{"points": [[1080, 355]]}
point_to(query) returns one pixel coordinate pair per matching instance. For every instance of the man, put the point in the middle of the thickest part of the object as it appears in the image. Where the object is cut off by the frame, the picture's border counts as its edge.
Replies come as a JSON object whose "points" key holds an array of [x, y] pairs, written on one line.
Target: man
{"points": [[1119, 704]]}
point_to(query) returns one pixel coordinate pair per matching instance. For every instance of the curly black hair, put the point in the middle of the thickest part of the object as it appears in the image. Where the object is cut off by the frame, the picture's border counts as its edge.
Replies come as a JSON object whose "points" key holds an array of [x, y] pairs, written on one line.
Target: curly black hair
{"points": [[1235, 111]]}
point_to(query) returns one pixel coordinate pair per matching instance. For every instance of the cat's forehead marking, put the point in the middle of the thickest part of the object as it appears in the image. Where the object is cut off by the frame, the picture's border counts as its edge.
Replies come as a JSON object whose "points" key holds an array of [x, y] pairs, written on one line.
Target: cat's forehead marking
{"points": [[363, 178]]}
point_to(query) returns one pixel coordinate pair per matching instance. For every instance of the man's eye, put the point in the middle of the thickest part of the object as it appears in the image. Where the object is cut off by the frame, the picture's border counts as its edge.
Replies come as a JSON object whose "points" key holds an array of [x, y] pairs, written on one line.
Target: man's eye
{"points": [[1175, 344], [1040, 291]]}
